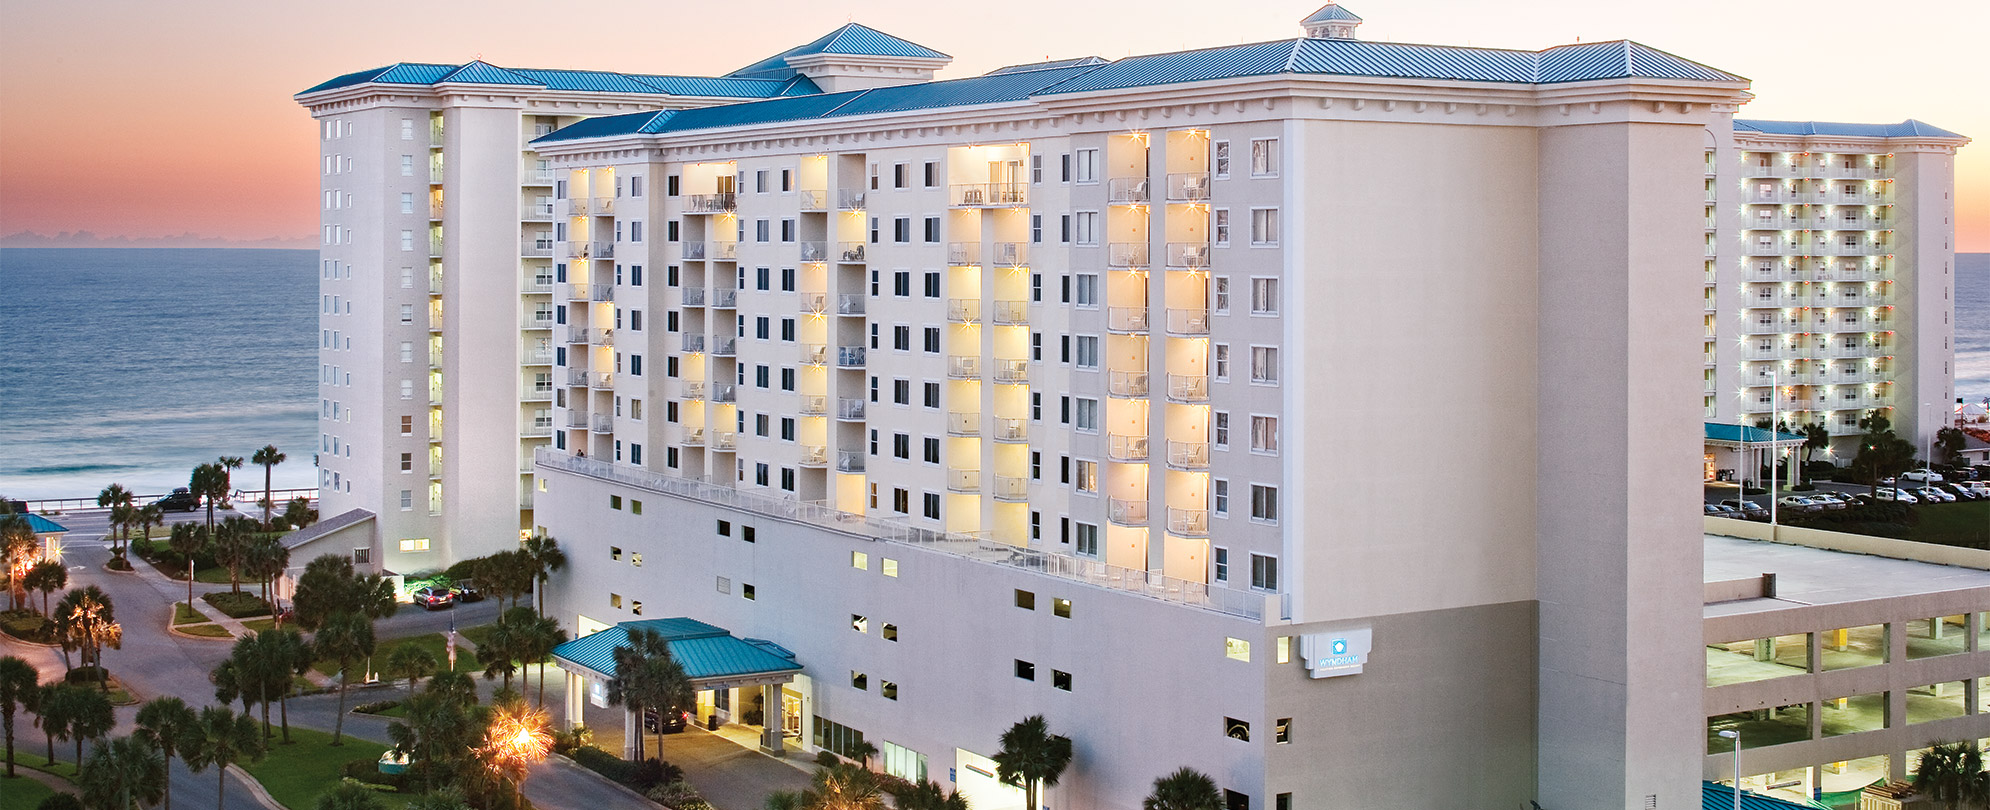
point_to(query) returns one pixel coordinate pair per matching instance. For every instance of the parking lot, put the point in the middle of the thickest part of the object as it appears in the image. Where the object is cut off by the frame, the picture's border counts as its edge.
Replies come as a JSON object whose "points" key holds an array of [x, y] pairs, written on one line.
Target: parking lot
{"points": [[1827, 496]]}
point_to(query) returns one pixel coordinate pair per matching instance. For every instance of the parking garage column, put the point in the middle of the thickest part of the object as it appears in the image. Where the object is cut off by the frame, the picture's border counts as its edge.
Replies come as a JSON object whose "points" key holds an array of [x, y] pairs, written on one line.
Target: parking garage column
{"points": [[770, 720]]}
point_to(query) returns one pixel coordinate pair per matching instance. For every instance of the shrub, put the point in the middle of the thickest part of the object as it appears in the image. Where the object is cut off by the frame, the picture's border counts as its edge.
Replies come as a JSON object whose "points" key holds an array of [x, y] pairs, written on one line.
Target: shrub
{"points": [[366, 771], [567, 741], [891, 784], [89, 675], [615, 768], [28, 626], [1750, 489], [376, 707], [60, 801], [826, 759], [463, 569], [1804, 487], [677, 794], [144, 547], [237, 605], [118, 564], [652, 773]]}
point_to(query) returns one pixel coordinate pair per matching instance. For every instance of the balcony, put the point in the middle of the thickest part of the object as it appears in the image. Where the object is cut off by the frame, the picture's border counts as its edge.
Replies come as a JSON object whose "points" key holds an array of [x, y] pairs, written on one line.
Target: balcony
{"points": [[1011, 489], [578, 377], [964, 310], [850, 200], [534, 212], [963, 254], [963, 424], [849, 461], [1011, 430], [601, 379], [814, 354], [1012, 372], [577, 206], [814, 405], [576, 334], [1012, 313], [1188, 388], [1188, 254], [725, 392], [693, 250], [815, 200], [1011, 254], [725, 441], [530, 285], [1188, 455], [849, 409], [1127, 191], [534, 393], [725, 251], [694, 389], [602, 424], [1126, 383], [533, 431], [815, 251], [964, 367], [602, 337], [989, 195], [1127, 254], [964, 480], [435, 210], [849, 357], [694, 296], [1188, 322], [725, 299], [537, 357], [435, 246], [850, 252], [1126, 512], [1121, 447], [848, 304], [1126, 320], [1188, 186], [574, 291], [724, 346], [537, 320], [693, 437], [709, 203], [694, 344], [536, 248], [812, 303], [815, 455], [1188, 522], [534, 176], [577, 250], [604, 250]]}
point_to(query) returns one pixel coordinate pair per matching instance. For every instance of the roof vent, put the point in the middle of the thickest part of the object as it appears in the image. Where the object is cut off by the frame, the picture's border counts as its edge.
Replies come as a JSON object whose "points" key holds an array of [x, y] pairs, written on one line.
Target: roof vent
{"points": [[1332, 21]]}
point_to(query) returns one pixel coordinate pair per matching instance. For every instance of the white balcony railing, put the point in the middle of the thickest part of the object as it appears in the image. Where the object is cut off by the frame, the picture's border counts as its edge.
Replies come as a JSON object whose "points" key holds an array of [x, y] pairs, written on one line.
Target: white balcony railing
{"points": [[1188, 388], [1127, 191], [1126, 383], [1012, 313], [849, 461], [964, 310], [964, 480], [1127, 254], [1011, 429], [1188, 322], [1011, 488], [1126, 511], [1188, 455], [963, 424], [1126, 319], [1188, 522], [1188, 186], [1188, 254], [849, 409], [1126, 448], [1012, 372], [964, 367], [849, 357]]}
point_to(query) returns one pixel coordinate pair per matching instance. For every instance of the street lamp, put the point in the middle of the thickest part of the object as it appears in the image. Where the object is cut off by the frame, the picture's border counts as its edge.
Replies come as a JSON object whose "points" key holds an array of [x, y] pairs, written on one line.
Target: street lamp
{"points": [[1734, 735]]}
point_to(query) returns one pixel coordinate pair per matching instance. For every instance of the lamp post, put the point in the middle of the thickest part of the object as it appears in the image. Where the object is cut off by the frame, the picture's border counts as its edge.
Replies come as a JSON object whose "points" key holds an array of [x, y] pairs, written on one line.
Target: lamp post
{"points": [[1927, 450], [1775, 410], [1734, 736]]}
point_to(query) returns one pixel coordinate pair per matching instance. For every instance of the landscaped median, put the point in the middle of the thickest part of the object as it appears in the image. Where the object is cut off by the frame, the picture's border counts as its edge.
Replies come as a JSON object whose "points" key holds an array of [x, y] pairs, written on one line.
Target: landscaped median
{"points": [[189, 621], [295, 774]]}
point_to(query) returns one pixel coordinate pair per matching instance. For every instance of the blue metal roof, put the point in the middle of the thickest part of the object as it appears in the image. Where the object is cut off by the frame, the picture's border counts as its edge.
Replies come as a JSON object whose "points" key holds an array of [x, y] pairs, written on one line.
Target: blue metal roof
{"points": [[1083, 61], [600, 81], [703, 650], [1715, 796], [851, 39], [1331, 12], [479, 71], [1718, 432], [42, 525], [1909, 128]]}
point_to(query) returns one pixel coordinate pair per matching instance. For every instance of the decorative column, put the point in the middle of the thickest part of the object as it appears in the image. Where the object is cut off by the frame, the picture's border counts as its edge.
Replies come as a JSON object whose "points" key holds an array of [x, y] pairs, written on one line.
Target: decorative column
{"points": [[770, 720]]}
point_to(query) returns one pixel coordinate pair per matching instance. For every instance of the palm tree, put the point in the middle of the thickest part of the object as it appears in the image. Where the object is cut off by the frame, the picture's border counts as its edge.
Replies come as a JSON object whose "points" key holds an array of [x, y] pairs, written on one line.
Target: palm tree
{"points": [[519, 737], [845, 787], [20, 689], [1952, 775], [443, 725], [209, 482], [126, 774], [930, 796], [186, 541], [221, 738], [92, 717], [115, 495], [85, 621], [231, 548], [1031, 757], [647, 677], [289, 649], [299, 514], [498, 652], [1185, 789], [259, 670], [537, 636], [266, 560], [329, 586], [269, 457], [165, 722], [411, 662], [547, 558], [348, 639], [54, 705], [18, 550], [47, 576], [349, 795]]}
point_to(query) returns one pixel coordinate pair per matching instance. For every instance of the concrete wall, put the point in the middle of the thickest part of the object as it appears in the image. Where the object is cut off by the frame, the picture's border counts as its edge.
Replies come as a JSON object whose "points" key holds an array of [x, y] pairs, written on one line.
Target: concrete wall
{"points": [[1924, 387], [1854, 543]]}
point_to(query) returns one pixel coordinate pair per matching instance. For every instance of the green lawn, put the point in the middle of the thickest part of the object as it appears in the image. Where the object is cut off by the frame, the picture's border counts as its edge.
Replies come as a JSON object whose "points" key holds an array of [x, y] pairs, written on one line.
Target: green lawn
{"points": [[477, 634], [1953, 524], [22, 793], [184, 614], [434, 643], [295, 774], [259, 625], [36, 760], [205, 630]]}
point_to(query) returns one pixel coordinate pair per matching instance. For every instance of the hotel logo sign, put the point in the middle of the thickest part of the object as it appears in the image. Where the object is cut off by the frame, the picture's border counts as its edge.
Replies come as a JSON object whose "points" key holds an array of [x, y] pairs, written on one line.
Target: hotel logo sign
{"points": [[1332, 655]]}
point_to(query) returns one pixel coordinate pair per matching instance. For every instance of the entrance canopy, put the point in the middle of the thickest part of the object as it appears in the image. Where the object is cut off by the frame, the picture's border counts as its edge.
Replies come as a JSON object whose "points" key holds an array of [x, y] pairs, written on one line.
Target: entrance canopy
{"points": [[711, 656], [1745, 437]]}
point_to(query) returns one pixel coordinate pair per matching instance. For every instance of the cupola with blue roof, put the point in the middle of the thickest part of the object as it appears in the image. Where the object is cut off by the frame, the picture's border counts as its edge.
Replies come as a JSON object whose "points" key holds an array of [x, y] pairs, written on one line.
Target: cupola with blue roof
{"points": [[853, 57], [1332, 21]]}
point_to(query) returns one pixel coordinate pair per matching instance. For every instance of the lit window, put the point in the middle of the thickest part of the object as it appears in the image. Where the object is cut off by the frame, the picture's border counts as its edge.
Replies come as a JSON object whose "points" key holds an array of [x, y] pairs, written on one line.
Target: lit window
{"points": [[889, 566], [1236, 649], [859, 560]]}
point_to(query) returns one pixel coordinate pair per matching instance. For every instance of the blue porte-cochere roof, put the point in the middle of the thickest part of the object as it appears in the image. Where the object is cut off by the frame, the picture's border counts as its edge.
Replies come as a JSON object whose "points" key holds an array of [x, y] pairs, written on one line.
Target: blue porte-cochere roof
{"points": [[1743, 434], [706, 652], [42, 525]]}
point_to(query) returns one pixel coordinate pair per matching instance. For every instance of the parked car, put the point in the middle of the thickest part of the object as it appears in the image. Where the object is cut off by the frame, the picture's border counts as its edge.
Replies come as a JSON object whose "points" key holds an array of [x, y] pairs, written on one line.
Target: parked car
{"points": [[434, 597], [1961, 492], [1798, 503], [180, 499], [1930, 494], [1831, 500], [1981, 488], [667, 723], [1896, 495], [1711, 509], [1748, 509], [1921, 476], [466, 591]]}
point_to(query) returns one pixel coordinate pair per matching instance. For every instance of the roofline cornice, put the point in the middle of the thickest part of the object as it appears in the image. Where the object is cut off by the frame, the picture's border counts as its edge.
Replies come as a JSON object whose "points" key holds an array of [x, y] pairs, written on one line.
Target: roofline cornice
{"points": [[810, 60], [1849, 143], [594, 102]]}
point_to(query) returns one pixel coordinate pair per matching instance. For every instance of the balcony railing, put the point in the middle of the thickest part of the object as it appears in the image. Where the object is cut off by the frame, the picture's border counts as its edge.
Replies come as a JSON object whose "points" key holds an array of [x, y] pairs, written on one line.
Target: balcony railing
{"points": [[964, 310], [990, 194], [1126, 448], [1012, 372], [602, 337], [1188, 186], [577, 376], [1126, 383], [850, 200], [1126, 512], [709, 203], [1012, 313], [693, 437], [1188, 455], [812, 303], [727, 298], [434, 247], [724, 392], [815, 251], [814, 405], [536, 212], [814, 354], [574, 291], [1188, 322], [536, 248], [725, 251], [1188, 388], [963, 254], [1188, 254], [850, 252], [604, 250], [694, 296], [533, 393], [534, 176], [1126, 319], [813, 200], [603, 423], [724, 346], [1011, 488], [849, 357], [725, 440], [1126, 254], [848, 304], [537, 357], [601, 379], [963, 424], [964, 367], [964, 480], [577, 250], [815, 455], [537, 320], [1011, 429], [535, 431], [575, 334], [849, 461], [694, 389], [1011, 254], [849, 409], [693, 250], [1188, 522], [578, 206], [1127, 191], [530, 285], [694, 344]]}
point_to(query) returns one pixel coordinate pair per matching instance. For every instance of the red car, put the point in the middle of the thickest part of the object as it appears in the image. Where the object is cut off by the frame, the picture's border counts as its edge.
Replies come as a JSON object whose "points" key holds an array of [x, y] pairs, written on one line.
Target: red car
{"points": [[434, 597]]}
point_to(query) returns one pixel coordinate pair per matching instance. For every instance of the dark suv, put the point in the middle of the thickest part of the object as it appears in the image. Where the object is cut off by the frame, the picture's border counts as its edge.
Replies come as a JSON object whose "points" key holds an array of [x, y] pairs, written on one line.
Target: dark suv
{"points": [[466, 591], [180, 500]]}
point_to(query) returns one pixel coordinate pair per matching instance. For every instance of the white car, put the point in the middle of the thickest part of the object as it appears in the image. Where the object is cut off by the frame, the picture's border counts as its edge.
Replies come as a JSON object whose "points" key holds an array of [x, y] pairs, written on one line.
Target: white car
{"points": [[1932, 495], [1981, 488], [1896, 495], [1921, 476], [1799, 503]]}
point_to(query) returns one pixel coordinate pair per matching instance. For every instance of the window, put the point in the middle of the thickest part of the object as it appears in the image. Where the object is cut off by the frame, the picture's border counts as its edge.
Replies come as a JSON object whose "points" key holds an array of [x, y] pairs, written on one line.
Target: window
{"points": [[932, 392], [1088, 351], [1264, 572], [889, 632], [932, 285], [1264, 296], [1281, 733], [1220, 230], [1085, 537], [1264, 157], [1221, 557], [1264, 227], [901, 229], [1219, 361], [931, 503], [1264, 434], [407, 462], [1086, 169], [1087, 476], [932, 454], [1237, 730], [932, 228], [888, 690], [746, 591], [1237, 649], [1026, 599], [1219, 293], [1025, 670], [860, 561], [888, 567], [1060, 680], [1061, 608], [407, 426], [407, 500], [1219, 428], [1220, 496], [1264, 364], [859, 680], [899, 176], [1220, 158], [1085, 228], [1085, 290], [414, 544], [1086, 415], [1264, 503]]}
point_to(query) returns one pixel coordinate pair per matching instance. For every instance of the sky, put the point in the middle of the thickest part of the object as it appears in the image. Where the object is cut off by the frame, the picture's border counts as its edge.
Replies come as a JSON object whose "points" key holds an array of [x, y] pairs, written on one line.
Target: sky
{"points": [[138, 118]]}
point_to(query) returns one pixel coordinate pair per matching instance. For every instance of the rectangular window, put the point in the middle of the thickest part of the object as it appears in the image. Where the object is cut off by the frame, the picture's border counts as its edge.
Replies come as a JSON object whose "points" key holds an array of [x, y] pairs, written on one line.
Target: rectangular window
{"points": [[1219, 496], [1220, 229], [1085, 228], [1264, 296], [1264, 157], [1085, 539], [1219, 429], [1087, 351], [1264, 434], [1264, 572], [1221, 558], [1086, 477], [1085, 290], [1086, 415], [1219, 293], [1264, 227], [1219, 158], [1264, 503], [1087, 168], [1219, 361], [1264, 364]]}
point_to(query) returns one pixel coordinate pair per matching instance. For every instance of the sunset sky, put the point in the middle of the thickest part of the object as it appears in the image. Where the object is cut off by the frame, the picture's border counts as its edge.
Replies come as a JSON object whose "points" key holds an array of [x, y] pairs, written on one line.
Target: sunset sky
{"points": [[147, 118]]}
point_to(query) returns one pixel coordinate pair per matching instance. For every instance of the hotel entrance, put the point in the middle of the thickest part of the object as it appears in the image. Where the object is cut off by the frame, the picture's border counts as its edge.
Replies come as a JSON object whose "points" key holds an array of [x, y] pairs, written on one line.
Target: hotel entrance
{"points": [[975, 776]]}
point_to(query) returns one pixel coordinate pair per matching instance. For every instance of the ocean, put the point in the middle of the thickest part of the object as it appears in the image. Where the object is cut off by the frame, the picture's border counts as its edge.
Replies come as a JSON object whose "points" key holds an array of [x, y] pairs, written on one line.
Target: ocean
{"points": [[133, 365]]}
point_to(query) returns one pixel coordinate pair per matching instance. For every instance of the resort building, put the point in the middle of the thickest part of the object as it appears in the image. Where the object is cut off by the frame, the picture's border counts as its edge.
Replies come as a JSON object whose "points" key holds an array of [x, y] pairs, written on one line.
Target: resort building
{"points": [[1083, 388]]}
